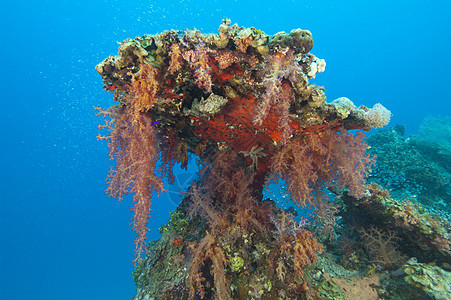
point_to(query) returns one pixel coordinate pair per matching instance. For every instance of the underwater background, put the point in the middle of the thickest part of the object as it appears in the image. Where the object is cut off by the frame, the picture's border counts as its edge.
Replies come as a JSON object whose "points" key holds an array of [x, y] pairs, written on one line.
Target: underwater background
{"points": [[61, 237]]}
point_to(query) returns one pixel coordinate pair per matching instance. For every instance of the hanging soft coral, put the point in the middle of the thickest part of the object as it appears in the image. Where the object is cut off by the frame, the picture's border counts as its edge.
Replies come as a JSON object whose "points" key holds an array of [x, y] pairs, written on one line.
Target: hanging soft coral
{"points": [[132, 144], [319, 159], [144, 88]]}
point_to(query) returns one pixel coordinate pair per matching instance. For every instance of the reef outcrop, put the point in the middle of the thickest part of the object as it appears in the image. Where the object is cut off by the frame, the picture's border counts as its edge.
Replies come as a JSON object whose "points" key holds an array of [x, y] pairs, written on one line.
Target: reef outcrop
{"points": [[241, 101]]}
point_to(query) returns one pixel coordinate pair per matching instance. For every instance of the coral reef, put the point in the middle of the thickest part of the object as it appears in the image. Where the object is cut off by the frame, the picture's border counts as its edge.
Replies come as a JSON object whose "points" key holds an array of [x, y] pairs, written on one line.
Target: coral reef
{"points": [[370, 259], [241, 101], [432, 279], [437, 129], [412, 166], [382, 247], [423, 234], [352, 289]]}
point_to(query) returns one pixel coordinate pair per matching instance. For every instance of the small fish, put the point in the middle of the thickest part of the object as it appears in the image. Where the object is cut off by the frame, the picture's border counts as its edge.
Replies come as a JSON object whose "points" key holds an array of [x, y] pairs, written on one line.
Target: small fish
{"points": [[155, 123]]}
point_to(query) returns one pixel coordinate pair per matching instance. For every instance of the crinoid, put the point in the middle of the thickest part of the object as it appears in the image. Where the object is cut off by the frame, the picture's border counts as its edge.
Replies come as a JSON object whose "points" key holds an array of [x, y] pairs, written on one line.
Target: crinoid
{"points": [[254, 154]]}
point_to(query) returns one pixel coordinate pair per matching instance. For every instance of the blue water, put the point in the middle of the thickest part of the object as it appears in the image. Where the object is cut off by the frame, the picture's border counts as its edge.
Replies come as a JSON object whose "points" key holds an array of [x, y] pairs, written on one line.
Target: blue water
{"points": [[60, 236]]}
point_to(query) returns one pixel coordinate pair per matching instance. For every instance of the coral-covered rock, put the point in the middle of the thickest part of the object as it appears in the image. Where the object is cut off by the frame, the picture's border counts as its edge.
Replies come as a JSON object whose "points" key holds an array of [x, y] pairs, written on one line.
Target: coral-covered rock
{"points": [[435, 281], [240, 100], [424, 235], [301, 40]]}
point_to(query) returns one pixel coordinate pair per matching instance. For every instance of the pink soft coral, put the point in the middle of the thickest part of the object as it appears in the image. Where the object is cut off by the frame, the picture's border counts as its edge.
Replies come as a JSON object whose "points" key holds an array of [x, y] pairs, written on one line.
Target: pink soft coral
{"points": [[311, 163]]}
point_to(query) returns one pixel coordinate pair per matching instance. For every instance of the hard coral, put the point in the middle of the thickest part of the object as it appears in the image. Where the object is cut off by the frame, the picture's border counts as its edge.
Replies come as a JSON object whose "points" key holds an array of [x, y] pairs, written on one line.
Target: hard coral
{"points": [[378, 116], [435, 281]]}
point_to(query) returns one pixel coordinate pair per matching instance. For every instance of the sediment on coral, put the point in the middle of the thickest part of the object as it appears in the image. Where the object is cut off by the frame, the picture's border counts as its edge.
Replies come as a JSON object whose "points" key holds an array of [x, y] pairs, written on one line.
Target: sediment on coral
{"points": [[241, 101]]}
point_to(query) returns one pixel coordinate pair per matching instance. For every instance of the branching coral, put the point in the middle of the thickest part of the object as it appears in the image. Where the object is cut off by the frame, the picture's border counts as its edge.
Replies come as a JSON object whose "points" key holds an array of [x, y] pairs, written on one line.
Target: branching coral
{"points": [[382, 247], [199, 61], [304, 250], [144, 88], [176, 58], [132, 144], [208, 250], [411, 166], [311, 163], [282, 66], [299, 249]]}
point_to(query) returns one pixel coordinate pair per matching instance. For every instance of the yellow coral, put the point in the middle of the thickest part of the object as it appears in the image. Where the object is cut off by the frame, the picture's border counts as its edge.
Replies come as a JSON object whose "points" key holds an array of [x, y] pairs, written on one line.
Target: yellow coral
{"points": [[176, 59], [144, 88]]}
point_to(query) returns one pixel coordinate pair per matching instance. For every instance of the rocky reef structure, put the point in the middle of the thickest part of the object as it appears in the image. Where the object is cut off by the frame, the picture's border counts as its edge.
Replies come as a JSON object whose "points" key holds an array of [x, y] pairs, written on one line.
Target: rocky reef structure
{"points": [[413, 166], [435, 281], [437, 129], [386, 249], [241, 101]]}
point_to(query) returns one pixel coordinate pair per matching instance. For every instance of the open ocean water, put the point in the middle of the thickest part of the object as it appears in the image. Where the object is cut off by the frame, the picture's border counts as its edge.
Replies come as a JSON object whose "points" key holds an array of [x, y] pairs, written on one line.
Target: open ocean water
{"points": [[60, 236]]}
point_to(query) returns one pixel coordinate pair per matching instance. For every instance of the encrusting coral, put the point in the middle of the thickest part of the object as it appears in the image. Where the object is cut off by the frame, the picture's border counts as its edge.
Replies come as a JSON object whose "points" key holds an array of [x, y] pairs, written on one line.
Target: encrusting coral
{"points": [[240, 100]]}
